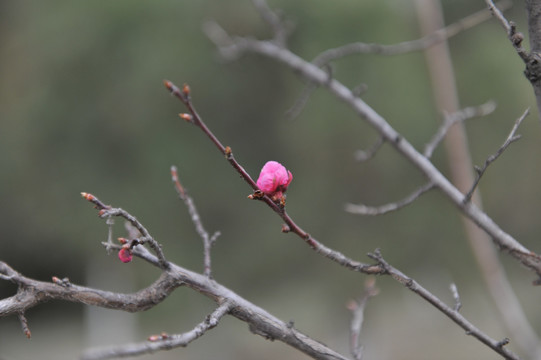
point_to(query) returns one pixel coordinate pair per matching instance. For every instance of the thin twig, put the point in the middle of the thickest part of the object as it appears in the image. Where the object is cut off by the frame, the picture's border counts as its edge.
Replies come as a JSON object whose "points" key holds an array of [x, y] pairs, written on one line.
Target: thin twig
{"points": [[510, 27], [365, 155], [163, 341], [106, 211], [384, 209], [24, 325], [299, 105], [357, 307], [455, 316], [381, 268], [459, 116], [290, 225], [511, 138], [407, 46], [234, 47], [196, 219]]}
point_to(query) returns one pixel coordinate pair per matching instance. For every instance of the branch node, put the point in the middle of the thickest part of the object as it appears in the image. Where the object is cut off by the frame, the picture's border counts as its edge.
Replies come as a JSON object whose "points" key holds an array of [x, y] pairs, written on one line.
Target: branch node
{"points": [[65, 282], [503, 342]]}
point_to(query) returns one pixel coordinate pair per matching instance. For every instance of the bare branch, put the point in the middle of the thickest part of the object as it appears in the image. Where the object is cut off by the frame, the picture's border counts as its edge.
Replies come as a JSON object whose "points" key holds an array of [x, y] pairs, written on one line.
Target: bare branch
{"points": [[301, 102], [163, 341], [384, 209], [508, 141], [196, 219], [357, 307], [514, 36], [290, 225], [365, 155], [381, 268], [32, 292], [531, 59], [459, 116], [407, 46], [308, 70], [24, 325], [455, 316], [106, 211]]}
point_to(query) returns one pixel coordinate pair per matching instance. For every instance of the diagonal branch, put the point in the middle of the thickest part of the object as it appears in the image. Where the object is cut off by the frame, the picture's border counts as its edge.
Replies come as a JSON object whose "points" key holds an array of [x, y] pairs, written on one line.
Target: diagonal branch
{"points": [[531, 59], [454, 315], [510, 139], [162, 341], [381, 268], [459, 116], [238, 45]]}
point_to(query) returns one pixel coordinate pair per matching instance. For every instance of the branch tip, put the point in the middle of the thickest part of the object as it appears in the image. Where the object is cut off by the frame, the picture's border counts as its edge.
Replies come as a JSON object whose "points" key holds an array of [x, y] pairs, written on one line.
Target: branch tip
{"points": [[186, 117]]}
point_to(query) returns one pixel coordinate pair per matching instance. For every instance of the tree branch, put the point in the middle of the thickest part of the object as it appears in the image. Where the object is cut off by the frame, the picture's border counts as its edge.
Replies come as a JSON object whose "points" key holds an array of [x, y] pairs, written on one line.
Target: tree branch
{"points": [[382, 268], [387, 208], [162, 341], [455, 316], [422, 43], [458, 116], [238, 45], [208, 241], [510, 139]]}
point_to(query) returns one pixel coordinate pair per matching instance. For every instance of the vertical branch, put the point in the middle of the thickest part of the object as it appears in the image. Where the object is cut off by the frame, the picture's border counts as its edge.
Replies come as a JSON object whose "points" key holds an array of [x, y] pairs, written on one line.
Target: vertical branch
{"points": [[196, 219], [443, 84]]}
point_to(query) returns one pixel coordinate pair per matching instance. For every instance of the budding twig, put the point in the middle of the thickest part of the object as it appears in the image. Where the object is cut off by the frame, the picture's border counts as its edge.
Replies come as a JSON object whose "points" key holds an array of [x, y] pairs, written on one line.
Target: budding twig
{"points": [[107, 211], [276, 207]]}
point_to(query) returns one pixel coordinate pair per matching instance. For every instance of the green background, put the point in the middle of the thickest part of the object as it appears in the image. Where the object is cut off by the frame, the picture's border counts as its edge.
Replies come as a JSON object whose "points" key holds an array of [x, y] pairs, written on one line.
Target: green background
{"points": [[83, 108]]}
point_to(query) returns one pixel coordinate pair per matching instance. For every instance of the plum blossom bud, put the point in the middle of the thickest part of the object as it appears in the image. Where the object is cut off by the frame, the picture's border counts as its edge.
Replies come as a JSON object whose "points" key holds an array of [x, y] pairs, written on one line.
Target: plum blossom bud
{"points": [[274, 180], [125, 255]]}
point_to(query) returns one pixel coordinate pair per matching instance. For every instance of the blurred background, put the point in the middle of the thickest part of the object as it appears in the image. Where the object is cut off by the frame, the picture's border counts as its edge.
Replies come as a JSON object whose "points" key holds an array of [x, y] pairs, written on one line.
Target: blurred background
{"points": [[83, 108]]}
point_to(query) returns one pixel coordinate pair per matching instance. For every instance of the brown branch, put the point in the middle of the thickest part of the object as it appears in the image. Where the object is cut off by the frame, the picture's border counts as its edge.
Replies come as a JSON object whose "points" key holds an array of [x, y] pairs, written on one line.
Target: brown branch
{"points": [[290, 225], [382, 268], [234, 47]]}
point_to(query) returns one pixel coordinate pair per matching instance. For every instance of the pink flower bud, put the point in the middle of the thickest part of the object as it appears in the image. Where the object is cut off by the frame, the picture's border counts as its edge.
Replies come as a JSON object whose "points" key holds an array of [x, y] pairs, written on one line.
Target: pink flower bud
{"points": [[274, 179], [125, 255]]}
